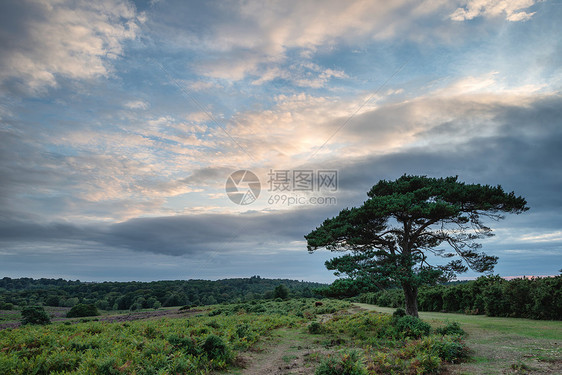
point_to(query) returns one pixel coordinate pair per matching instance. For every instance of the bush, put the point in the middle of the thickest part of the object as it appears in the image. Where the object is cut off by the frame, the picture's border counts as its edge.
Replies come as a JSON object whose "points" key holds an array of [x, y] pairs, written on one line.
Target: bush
{"points": [[451, 349], [215, 348], [398, 313], [347, 364], [34, 315], [281, 291], [534, 298], [185, 344], [315, 328], [82, 310], [243, 330], [410, 326], [451, 329], [6, 306]]}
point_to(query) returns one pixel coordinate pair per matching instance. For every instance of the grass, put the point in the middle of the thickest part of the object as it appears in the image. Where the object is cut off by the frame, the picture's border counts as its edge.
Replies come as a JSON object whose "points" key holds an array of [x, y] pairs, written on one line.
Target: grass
{"points": [[175, 343], [500, 344], [543, 329]]}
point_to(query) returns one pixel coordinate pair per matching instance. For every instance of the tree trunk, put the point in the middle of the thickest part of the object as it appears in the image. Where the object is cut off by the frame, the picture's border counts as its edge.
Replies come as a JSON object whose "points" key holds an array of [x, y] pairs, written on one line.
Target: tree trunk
{"points": [[411, 298]]}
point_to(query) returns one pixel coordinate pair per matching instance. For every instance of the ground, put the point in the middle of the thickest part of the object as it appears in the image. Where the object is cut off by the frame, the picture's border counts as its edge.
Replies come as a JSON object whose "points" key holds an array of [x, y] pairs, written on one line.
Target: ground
{"points": [[288, 352], [503, 345], [499, 345]]}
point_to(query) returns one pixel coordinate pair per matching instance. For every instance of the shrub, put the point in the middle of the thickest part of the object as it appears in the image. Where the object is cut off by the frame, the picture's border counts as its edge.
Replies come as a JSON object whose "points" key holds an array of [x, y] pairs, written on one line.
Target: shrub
{"points": [[215, 348], [243, 330], [34, 315], [347, 364], [451, 349], [451, 329], [410, 326], [185, 344], [6, 306], [315, 328], [281, 291], [82, 310], [399, 313]]}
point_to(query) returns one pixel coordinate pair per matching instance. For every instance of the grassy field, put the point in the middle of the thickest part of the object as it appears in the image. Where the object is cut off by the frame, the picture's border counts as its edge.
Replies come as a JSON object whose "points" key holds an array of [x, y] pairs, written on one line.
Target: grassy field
{"points": [[502, 345], [277, 337], [260, 337]]}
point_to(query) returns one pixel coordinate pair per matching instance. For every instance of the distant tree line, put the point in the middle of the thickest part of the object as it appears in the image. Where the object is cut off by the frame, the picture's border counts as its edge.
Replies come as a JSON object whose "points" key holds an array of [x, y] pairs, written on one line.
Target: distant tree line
{"points": [[534, 298], [138, 295]]}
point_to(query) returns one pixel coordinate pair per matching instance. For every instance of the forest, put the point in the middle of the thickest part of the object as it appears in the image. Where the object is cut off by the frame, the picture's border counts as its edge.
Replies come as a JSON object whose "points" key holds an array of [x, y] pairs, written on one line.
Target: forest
{"points": [[134, 295], [532, 298]]}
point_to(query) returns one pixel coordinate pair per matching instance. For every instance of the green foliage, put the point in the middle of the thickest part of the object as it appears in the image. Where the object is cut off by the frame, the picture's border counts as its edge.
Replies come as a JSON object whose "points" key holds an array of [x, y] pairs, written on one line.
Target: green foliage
{"points": [[449, 348], [315, 328], [388, 350], [281, 292], [452, 329], [146, 295], [428, 212], [302, 308], [346, 364], [532, 298], [399, 313], [82, 310], [410, 326], [187, 345], [34, 315], [215, 348], [199, 345], [6, 305], [347, 287]]}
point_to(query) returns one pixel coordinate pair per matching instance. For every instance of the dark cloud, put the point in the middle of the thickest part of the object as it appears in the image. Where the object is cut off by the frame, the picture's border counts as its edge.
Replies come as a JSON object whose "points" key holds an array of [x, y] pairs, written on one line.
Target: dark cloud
{"points": [[178, 235]]}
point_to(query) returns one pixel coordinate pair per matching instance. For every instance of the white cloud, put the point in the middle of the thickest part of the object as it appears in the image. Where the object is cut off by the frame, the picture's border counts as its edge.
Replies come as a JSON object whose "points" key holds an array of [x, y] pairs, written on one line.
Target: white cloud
{"points": [[302, 75], [554, 237], [137, 104], [257, 37], [71, 39], [512, 10]]}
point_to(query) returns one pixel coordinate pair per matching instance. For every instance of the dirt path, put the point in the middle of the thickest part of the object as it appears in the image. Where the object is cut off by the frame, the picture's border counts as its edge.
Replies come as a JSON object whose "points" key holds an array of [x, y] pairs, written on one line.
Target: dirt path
{"points": [[495, 349], [290, 351]]}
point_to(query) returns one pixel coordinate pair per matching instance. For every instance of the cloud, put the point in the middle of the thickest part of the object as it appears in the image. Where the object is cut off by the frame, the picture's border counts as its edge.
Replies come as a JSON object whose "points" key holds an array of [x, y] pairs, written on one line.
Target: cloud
{"points": [[278, 41], [521, 154], [194, 235], [158, 165], [42, 41], [511, 9], [137, 104]]}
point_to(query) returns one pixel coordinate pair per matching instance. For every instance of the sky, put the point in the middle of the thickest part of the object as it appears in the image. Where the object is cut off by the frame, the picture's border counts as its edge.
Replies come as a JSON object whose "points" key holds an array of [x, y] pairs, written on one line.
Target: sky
{"points": [[124, 125]]}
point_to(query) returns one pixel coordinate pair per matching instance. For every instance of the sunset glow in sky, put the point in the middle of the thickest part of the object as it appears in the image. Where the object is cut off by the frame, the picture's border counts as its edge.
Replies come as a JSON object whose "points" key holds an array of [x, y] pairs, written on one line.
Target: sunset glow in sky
{"points": [[120, 122]]}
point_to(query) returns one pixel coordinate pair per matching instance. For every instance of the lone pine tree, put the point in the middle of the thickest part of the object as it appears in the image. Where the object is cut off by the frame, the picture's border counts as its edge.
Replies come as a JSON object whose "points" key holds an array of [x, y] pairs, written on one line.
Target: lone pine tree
{"points": [[389, 240]]}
